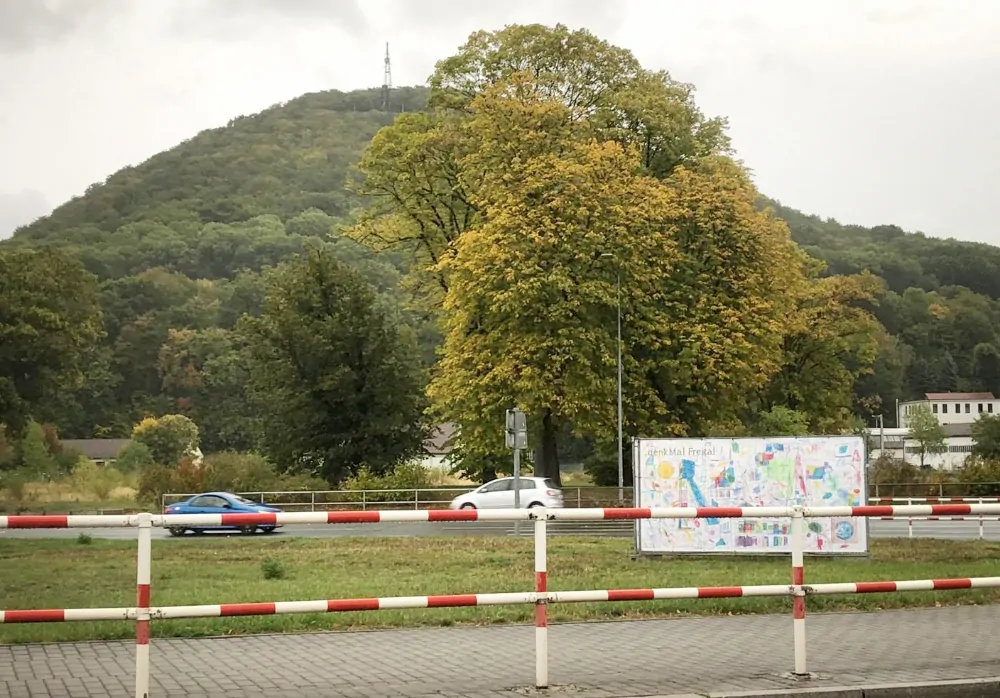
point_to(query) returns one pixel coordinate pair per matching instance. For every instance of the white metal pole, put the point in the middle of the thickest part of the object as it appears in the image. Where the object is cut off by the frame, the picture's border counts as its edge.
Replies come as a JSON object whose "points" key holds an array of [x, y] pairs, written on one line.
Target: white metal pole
{"points": [[621, 456], [517, 483], [799, 599], [541, 605], [143, 566]]}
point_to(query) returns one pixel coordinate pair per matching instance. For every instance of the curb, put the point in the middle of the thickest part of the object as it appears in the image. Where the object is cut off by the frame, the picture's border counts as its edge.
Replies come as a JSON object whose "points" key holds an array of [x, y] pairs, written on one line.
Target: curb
{"points": [[965, 688]]}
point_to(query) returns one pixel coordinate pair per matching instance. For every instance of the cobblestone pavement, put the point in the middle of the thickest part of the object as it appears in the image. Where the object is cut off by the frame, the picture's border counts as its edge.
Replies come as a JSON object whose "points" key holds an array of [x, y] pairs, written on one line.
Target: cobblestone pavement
{"points": [[587, 660]]}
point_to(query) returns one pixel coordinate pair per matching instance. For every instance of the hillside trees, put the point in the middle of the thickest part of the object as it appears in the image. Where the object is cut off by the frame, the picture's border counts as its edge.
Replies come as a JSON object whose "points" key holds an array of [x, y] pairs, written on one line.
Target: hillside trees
{"points": [[333, 375]]}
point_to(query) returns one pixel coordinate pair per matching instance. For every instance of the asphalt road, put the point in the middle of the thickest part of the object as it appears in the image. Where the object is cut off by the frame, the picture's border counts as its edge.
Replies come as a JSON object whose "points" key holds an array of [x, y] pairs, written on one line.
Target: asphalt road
{"points": [[948, 530]]}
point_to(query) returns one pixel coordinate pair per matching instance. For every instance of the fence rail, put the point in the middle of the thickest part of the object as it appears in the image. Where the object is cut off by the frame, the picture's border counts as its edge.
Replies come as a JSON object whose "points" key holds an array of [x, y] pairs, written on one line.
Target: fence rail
{"points": [[144, 612]]}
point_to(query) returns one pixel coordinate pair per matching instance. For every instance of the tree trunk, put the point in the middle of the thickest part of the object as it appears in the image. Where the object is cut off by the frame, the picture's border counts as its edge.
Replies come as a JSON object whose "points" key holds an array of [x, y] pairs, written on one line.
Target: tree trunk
{"points": [[547, 463]]}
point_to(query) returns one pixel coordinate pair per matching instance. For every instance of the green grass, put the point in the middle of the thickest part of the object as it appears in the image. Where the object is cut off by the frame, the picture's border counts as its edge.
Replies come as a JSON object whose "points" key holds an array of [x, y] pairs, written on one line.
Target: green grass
{"points": [[206, 570]]}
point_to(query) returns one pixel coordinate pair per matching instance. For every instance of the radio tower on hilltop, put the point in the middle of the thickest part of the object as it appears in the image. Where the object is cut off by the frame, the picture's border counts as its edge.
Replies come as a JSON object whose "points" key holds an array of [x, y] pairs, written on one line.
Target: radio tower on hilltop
{"points": [[386, 79]]}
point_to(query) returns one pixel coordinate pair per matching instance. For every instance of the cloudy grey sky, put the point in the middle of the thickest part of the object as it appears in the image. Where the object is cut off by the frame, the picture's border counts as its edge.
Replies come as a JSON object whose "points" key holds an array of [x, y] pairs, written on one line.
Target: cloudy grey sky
{"points": [[870, 112]]}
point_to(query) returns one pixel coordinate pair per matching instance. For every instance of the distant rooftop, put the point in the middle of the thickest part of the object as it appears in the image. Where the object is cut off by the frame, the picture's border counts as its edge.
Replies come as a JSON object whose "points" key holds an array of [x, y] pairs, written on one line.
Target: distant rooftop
{"points": [[437, 443], [959, 396], [96, 449]]}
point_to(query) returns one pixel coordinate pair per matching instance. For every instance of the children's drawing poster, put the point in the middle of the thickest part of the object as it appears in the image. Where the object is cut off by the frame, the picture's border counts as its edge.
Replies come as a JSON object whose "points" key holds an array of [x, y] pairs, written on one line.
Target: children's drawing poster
{"points": [[750, 472]]}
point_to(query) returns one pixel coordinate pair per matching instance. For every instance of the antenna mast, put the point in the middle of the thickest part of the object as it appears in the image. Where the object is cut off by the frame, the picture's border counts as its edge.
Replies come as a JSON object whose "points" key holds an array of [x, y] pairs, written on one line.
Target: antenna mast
{"points": [[386, 79]]}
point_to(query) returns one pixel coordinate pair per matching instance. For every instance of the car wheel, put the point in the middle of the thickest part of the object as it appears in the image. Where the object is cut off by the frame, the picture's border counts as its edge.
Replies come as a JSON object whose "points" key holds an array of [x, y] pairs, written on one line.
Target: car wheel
{"points": [[198, 531], [267, 529], [534, 504], [468, 506], [248, 530], [176, 531]]}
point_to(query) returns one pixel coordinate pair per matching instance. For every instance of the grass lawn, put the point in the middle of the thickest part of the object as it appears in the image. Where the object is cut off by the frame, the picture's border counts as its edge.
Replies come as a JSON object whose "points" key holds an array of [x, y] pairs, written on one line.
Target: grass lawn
{"points": [[207, 570]]}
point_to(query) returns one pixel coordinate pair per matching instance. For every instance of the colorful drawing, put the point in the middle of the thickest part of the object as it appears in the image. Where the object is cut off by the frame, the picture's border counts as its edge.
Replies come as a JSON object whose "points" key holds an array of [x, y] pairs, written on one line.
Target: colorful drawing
{"points": [[753, 472]]}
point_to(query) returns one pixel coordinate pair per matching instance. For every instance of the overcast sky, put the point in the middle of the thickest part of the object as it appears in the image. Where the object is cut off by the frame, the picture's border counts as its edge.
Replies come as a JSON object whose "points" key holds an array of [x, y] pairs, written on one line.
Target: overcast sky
{"points": [[870, 112]]}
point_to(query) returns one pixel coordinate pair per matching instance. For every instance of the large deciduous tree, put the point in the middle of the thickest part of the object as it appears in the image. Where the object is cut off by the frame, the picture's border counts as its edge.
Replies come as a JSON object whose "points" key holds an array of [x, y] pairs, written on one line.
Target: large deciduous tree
{"points": [[336, 379], [49, 316]]}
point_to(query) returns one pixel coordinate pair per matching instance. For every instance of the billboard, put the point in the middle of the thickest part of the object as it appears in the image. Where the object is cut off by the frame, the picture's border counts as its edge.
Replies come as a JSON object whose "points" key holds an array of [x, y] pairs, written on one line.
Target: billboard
{"points": [[750, 472]]}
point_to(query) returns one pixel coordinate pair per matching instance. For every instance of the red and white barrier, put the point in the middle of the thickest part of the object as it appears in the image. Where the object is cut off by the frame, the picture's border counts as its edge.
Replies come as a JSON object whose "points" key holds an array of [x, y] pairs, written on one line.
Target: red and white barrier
{"points": [[541, 597]]}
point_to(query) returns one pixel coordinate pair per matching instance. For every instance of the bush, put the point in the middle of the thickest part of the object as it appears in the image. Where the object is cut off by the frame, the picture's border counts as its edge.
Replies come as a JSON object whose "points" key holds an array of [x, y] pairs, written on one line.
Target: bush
{"points": [[36, 459], [602, 465], [84, 539], [273, 568], [406, 476], [97, 480], [169, 438], [983, 476], [889, 470], [135, 457]]}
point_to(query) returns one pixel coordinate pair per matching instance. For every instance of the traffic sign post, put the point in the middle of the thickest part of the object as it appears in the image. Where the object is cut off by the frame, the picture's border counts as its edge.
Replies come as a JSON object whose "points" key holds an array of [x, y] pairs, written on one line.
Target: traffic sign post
{"points": [[516, 439]]}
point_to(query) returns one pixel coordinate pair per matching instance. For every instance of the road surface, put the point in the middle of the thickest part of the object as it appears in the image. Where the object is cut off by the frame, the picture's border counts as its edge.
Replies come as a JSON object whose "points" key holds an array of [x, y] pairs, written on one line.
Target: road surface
{"points": [[947, 530]]}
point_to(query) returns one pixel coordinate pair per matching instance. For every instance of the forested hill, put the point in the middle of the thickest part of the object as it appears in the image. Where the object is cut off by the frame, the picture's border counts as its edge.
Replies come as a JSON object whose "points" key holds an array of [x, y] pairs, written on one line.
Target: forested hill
{"points": [[178, 242]]}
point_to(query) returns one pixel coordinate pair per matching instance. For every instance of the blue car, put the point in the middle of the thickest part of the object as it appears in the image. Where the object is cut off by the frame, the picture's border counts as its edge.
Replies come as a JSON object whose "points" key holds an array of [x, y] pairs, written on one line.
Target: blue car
{"points": [[220, 503]]}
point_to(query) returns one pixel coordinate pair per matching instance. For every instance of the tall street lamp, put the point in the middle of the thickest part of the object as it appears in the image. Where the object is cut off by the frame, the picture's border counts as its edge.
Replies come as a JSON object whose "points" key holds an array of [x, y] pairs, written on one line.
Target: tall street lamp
{"points": [[621, 455]]}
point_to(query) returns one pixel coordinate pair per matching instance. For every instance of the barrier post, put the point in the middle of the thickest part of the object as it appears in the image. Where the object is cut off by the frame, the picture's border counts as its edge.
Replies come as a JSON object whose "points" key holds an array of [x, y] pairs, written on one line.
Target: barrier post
{"points": [[541, 604], [981, 521], [142, 576], [799, 598], [909, 519]]}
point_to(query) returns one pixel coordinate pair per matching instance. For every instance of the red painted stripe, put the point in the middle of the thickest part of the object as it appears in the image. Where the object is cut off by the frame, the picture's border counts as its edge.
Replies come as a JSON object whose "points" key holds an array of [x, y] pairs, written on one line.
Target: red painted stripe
{"points": [[627, 513], [541, 615], [874, 587], [952, 583], [452, 600], [541, 581], [799, 608], [871, 511], [51, 615], [343, 605], [719, 512], [142, 595], [719, 592], [142, 632], [798, 576], [630, 594], [247, 609], [951, 509], [453, 515], [249, 519], [28, 521], [352, 517]]}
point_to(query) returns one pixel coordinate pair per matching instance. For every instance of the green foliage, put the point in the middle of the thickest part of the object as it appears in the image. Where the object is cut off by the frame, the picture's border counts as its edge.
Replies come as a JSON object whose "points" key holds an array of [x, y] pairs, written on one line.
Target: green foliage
{"points": [[886, 469], [49, 315], [134, 457], [986, 437], [927, 432], [781, 421], [96, 480], [334, 375], [406, 476], [273, 568], [84, 538], [983, 474], [168, 438], [602, 465], [36, 459]]}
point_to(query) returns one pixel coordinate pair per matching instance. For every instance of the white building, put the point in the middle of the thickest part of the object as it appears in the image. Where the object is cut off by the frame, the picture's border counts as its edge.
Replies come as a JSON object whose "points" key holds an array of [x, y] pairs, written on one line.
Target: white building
{"points": [[955, 412]]}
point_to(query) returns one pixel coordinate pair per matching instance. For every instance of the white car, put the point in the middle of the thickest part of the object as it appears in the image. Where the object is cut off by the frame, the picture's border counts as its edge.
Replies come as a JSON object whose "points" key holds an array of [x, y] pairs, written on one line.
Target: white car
{"points": [[499, 494]]}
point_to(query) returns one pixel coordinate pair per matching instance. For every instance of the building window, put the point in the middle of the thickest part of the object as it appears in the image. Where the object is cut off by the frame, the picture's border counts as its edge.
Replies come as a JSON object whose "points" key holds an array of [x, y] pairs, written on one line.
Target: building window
{"points": [[968, 408], [944, 408], [965, 448], [989, 407], [980, 408], [934, 408]]}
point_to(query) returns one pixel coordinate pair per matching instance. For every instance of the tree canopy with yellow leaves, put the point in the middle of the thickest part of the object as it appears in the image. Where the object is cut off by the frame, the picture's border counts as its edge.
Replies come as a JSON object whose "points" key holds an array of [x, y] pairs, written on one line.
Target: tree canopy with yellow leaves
{"points": [[550, 168]]}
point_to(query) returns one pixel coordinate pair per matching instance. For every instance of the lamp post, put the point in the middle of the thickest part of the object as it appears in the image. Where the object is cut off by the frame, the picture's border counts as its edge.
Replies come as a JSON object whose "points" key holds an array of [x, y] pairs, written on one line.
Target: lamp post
{"points": [[621, 455]]}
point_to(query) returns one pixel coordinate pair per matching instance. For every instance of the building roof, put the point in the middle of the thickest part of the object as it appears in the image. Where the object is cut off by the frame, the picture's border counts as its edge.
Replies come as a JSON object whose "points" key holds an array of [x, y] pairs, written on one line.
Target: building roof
{"points": [[437, 443], [959, 396], [957, 429], [96, 449]]}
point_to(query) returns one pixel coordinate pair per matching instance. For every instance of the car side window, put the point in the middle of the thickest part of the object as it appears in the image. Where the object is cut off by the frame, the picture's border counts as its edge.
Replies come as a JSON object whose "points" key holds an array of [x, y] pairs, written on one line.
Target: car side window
{"points": [[497, 486], [200, 502], [210, 501], [525, 484]]}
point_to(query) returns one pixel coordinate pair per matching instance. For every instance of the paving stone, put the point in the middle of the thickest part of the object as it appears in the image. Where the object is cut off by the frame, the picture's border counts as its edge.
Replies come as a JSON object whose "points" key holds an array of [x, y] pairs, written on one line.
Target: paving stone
{"points": [[586, 660]]}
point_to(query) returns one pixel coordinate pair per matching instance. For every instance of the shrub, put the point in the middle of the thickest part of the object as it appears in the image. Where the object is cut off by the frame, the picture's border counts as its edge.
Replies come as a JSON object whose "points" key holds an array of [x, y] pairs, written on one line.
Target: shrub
{"points": [[134, 457], [406, 476], [169, 438], [272, 568], [36, 459], [982, 475], [84, 539], [886, 469], [97, 480]]}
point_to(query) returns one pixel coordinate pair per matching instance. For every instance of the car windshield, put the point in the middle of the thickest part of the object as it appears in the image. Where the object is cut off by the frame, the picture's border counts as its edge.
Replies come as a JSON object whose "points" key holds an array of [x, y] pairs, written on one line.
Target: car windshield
{"points": [[551, 484], [244, 500]]}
